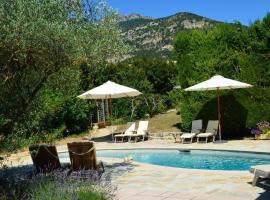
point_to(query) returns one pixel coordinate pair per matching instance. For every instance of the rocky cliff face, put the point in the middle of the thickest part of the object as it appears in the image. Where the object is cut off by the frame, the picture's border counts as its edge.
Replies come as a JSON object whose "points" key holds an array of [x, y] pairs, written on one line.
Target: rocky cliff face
{"points": [[132, 17], [153, 37]]}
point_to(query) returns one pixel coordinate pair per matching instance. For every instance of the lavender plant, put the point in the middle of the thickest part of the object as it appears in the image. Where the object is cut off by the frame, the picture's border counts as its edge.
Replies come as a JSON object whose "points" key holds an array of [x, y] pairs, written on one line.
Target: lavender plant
{"points": [[23, 183], [255, 131]]}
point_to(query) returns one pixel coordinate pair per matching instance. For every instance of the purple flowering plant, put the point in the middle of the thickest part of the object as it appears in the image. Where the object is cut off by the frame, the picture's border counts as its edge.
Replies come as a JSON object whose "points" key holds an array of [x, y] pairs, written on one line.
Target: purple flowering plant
{"points": [[262, 127], [255, 131]]}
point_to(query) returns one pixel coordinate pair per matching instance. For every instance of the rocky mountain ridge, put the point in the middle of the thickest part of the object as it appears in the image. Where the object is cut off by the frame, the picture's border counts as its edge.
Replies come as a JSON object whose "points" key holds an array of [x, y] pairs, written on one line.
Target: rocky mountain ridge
{"points": [[154, 37]]}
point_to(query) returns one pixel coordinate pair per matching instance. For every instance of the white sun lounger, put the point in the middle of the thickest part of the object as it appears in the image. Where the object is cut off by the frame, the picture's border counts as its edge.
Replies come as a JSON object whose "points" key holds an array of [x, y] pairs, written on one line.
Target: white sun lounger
{"points": [[195, 129], [211, 131], [127, 133], [141, 131], [260, 171]]}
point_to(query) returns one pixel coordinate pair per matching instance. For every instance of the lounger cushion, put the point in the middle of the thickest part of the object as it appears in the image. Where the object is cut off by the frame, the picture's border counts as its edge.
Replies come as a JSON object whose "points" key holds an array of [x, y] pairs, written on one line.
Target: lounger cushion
{"points": [[188, 135], [261, 170], [205, 135]]}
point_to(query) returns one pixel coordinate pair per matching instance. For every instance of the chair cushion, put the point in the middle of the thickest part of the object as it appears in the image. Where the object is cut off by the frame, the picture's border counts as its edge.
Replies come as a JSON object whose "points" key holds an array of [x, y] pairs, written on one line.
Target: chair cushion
{"points": [[188, 135], [205, 134]]}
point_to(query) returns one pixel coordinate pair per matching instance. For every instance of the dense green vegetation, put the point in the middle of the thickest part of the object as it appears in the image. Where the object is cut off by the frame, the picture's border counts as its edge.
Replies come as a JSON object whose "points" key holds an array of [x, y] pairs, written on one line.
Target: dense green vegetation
{"points": [[153, 77], [236, 52], [44, 46], [133, 23], [53, 51]]}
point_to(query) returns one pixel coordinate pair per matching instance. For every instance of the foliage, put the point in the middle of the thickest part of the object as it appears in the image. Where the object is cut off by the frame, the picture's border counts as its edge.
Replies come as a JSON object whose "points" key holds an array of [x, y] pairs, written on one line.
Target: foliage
{"points": [[236, 52], [150, 76], [43, 45], [262, 127], [22, 183]]}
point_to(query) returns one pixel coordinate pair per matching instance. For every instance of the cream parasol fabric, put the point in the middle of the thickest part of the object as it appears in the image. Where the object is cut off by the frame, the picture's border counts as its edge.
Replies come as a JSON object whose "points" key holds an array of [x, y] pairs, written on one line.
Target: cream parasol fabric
{"points": [[218, 83]]}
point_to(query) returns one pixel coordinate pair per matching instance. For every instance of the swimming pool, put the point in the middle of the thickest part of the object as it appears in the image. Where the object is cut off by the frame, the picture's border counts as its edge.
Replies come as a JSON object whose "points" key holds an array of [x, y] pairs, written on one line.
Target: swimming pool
{"points": [[195, 159]]}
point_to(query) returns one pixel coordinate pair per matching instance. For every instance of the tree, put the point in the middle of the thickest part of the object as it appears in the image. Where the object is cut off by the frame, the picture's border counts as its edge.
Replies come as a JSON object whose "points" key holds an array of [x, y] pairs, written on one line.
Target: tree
{"points": [[41, 39], [234, 51]]}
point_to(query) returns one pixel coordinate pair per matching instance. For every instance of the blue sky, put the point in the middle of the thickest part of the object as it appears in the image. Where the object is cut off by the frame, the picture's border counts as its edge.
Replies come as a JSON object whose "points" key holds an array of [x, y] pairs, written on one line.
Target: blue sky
{"points": [[245, 11]]}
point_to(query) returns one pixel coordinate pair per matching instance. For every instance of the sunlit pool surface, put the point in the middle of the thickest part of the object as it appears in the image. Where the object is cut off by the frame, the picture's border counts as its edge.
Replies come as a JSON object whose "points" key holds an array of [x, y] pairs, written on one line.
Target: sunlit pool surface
{"points": [[195, 159]]}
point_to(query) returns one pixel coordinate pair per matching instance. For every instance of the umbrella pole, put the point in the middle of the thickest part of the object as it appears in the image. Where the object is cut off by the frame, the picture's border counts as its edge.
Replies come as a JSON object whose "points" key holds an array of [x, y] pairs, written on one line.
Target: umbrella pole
{"points": [[110, 105], [219, 125]]}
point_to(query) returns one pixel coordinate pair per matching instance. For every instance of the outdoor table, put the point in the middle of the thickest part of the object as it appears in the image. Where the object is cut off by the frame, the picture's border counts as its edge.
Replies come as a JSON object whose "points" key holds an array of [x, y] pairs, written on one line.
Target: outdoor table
{"points": [[175, 134]]}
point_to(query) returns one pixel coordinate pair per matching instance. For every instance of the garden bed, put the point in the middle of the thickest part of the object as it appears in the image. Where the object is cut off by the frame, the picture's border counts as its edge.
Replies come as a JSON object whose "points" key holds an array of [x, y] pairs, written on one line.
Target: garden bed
{"points": [[23, 183]]}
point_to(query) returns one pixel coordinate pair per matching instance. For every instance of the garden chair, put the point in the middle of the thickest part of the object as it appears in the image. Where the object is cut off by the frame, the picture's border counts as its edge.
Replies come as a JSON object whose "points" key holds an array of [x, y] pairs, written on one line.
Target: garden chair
{"points": [[83, 156], [196, 127], [45, 157], [129, 131], [211, 131], [141, 132], [260, 172]]}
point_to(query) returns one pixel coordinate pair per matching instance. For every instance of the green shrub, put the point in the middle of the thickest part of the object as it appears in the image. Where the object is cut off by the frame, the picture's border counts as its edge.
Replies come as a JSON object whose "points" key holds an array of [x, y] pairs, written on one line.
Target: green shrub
{"points": [[236, 52]]}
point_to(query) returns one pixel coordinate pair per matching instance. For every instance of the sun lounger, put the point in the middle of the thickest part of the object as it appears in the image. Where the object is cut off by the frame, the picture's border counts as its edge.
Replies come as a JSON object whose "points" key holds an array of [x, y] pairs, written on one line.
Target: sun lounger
{"points": [[141, 131], [130, 131], [45, 157], [83, 156], [211, 131], [195, 129], [260, 171]]}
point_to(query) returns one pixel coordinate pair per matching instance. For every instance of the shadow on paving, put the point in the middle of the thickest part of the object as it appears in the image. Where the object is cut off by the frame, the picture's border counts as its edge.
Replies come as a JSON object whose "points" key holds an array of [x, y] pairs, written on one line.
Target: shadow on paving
{"points": [[265, 185], [118, 169], [106, 138]]}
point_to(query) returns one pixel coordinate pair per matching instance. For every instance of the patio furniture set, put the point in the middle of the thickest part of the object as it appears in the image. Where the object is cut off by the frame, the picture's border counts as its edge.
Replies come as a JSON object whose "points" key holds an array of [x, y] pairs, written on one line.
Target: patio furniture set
{"points": [[132, 133]]}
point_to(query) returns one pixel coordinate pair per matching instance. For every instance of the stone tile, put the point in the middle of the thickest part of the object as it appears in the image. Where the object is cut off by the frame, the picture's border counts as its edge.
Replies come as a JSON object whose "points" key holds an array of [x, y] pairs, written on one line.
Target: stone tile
{"points": [[154, 193], [177, 198], [143, 198], [182, 195], [167, 194]]}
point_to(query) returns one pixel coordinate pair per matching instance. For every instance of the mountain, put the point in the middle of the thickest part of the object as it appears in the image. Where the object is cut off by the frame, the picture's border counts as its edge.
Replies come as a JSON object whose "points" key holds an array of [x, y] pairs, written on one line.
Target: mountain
{"points": [[132, 17], [154, 37]]}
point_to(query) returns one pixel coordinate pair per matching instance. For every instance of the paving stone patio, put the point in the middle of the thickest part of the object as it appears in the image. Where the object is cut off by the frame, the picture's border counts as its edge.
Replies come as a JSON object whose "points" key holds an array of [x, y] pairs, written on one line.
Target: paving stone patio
{"points": [[144, 181]]}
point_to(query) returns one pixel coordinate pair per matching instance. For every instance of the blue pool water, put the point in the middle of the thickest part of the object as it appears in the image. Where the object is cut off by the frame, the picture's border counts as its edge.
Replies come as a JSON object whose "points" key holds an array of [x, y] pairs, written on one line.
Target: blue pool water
{"points": [[195, 159]]}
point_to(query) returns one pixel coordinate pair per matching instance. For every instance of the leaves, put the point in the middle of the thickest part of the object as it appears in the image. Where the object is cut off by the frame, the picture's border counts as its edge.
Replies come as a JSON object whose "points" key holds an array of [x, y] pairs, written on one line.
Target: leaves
{"points": [[42, 46], [231, 50]]}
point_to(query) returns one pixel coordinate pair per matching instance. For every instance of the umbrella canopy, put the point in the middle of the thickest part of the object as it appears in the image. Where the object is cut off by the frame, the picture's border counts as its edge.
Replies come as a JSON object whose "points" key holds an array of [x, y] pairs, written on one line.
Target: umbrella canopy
{"points": [[109, 90], [218, 83]]}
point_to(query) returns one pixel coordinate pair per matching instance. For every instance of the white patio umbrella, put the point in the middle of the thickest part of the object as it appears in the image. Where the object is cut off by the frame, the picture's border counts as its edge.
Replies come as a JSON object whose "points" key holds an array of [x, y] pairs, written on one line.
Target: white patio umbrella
{"points": [[218, 83], [110, 90]]}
